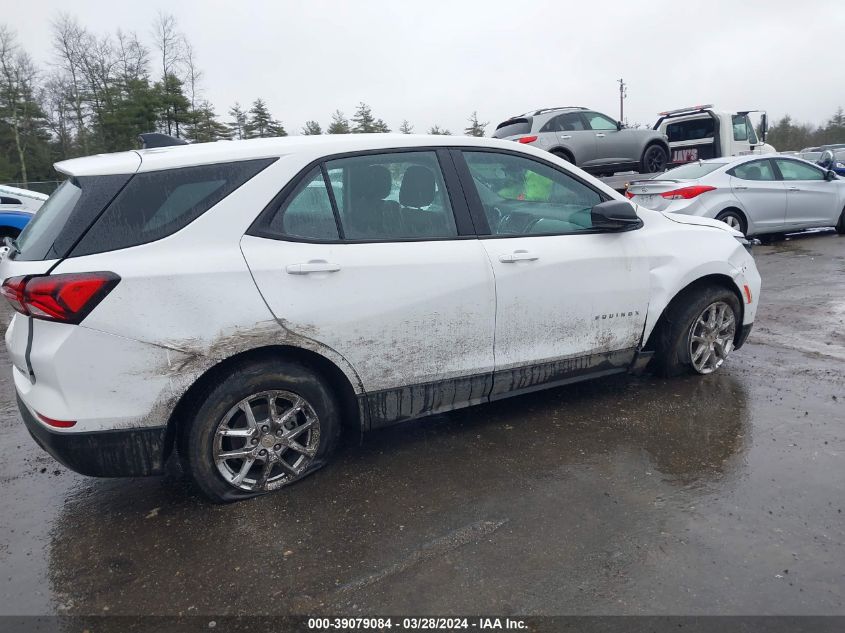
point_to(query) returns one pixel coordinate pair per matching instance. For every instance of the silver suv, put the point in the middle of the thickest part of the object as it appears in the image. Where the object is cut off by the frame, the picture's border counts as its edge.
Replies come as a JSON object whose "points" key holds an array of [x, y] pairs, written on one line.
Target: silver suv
{"points": [[589, 139]]}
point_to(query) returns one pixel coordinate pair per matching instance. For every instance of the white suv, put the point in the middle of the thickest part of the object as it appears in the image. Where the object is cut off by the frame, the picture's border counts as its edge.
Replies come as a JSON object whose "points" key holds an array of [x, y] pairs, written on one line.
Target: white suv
{"points": [[242, 301]]}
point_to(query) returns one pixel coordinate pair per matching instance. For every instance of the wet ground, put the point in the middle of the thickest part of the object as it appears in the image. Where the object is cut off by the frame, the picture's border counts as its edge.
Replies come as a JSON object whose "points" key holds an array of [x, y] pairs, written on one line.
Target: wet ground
{"points": [[722, 494]]}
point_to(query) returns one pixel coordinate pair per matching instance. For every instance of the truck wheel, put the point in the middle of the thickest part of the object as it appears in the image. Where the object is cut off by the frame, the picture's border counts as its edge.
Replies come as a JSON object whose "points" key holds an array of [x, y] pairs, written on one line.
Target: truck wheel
{"points": [[733, 219], [698, 333], [263, 426], [654, 159]]}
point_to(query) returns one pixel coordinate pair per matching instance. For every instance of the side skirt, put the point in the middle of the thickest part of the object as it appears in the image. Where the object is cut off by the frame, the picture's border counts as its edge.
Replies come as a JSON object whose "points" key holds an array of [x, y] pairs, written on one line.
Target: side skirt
{"points": [[390, 406]]}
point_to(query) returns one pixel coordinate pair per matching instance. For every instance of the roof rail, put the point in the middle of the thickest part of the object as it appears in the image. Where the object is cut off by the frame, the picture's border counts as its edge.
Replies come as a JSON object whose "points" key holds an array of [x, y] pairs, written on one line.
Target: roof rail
{"points": [[154, 139], [542, 110], [697, 108]]}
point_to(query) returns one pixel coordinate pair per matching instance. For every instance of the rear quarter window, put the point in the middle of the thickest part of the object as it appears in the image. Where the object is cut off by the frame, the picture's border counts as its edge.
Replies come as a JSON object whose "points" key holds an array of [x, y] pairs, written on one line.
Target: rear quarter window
{"points": [[156, 204]]}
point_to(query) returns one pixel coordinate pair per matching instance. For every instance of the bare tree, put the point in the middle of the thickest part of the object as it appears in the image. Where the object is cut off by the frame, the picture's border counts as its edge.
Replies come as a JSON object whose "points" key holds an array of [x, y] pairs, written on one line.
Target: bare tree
{"points": [[192, 73], [169, 42], [132, 56], [17, 105], [69, 44]]}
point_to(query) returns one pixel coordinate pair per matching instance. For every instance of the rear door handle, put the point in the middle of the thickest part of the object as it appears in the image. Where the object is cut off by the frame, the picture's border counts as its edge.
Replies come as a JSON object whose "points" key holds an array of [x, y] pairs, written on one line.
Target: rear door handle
{"points": [[740, 188], [518, 256], [599, 135], [793, 189], [565, 137], [312, 266]]}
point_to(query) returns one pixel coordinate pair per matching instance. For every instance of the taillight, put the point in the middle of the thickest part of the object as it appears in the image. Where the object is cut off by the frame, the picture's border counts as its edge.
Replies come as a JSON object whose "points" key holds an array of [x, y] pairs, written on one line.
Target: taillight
{"points": [[686, 193], [526, 139], [12, 289], [67, 298], [628, 194]]}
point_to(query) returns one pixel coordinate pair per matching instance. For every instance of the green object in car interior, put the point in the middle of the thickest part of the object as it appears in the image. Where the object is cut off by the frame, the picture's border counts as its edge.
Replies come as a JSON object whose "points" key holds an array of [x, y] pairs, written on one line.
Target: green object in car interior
{"points": [[534, 187]]}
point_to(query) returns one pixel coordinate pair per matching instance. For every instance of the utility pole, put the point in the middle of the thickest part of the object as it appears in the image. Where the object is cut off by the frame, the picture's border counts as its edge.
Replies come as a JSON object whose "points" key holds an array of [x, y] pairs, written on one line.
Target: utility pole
{"points": [[623, 94]]}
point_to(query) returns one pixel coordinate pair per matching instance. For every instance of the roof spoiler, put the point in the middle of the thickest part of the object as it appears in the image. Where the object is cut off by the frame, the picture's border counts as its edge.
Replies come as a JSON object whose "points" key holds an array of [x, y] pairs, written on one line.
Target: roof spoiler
{"points": [[154, 139]]}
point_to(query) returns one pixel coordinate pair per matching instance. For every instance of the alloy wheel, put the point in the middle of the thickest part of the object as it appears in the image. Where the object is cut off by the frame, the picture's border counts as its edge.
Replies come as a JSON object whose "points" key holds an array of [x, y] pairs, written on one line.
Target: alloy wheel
{"points": [[711, 337], [266, 440], [655, 160]]}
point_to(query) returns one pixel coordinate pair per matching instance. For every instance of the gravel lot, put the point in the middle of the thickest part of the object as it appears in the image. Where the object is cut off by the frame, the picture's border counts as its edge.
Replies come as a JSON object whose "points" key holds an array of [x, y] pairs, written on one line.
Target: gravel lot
{"points": [[721, 494]]}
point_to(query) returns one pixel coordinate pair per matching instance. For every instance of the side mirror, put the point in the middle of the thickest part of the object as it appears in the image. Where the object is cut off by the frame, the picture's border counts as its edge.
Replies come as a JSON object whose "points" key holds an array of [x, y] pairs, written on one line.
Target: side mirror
{"points": [[764, 126], [830, 175], [619, 125], [615, 215]]}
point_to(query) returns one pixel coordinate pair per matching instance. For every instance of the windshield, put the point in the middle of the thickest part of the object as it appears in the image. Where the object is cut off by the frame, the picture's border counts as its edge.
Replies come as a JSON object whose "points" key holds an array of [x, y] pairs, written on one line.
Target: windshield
{"points": [[691, 171]]}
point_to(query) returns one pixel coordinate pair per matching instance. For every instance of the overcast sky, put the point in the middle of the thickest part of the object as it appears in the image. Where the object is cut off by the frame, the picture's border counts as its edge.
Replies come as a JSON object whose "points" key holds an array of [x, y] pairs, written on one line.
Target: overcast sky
{"points": [[435, 61]]}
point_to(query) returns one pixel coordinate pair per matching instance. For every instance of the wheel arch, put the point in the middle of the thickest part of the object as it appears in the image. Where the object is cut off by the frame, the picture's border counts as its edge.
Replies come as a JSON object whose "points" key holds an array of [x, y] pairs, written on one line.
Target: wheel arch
{"points": [[351, 415], [712, 279], [9, 230], [564, 152], [735, 206]]}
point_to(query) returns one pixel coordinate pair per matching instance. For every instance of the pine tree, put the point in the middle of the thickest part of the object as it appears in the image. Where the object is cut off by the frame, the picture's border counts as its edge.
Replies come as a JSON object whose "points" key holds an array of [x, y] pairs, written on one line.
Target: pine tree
{"points": [[406, 128], [339, 124], [436, 129], [364, 121], [381, 127], [261, 124], [205, 128], [475, 128], [175, 105], [311, 128], [237, 125]]}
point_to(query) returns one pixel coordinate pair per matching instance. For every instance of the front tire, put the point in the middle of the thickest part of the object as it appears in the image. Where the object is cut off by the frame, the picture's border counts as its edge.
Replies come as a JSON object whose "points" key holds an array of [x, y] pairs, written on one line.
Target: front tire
{"points": [[264, 426], [840, 226], [698, 333]]}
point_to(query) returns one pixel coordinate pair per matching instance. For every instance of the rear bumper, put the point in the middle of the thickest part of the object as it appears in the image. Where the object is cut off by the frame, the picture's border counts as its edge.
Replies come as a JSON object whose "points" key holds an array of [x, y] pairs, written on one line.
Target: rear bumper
{"points": [[119, 453]]}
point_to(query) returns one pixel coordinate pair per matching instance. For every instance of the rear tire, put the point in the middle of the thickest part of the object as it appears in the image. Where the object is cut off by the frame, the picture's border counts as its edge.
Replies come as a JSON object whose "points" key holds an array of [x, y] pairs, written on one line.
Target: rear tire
{"points": [[564, 155], [685, 331], [733, 219], [654, 159], [284, 442]]}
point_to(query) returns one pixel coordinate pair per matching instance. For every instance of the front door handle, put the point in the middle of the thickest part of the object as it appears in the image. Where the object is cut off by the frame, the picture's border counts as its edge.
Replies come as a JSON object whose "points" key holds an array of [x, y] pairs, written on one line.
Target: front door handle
{"points": [[312, 266], [599, 135], [793, 189], [740, 188], [518, 256]]}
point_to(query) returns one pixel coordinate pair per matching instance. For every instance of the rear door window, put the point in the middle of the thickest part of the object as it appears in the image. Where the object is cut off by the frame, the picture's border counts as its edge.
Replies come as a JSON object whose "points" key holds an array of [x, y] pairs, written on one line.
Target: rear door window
{"points": [[156, 204], [569, 122], [754, 170]]}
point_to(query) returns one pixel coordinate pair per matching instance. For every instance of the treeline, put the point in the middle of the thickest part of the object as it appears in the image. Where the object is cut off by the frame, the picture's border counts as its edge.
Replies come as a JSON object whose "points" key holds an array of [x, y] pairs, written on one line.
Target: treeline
{"points": [[787, 135], [100, 91]]}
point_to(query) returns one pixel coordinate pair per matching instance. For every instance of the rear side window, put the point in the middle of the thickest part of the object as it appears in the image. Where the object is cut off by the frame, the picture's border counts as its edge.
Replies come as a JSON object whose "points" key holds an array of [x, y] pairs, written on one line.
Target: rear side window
{"points": [[157, 204], [755, 170], [691, 130], [513, 127], [66, 215]]}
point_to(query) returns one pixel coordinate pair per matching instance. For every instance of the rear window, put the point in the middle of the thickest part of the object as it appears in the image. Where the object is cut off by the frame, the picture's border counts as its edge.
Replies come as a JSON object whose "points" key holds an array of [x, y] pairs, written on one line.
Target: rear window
{"points": [[692, 171], [691, 130], [65, 216], [513, 127], [157, 204]]}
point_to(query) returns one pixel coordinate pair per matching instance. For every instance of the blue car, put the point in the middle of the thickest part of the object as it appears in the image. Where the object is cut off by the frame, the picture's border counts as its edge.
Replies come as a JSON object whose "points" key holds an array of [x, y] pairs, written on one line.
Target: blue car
{"points": [[17, 206], [833, 159]]}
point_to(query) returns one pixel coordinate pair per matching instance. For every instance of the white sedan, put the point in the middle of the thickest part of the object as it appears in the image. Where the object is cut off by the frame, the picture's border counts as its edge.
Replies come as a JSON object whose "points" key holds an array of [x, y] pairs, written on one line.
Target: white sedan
{"points": [[753, 194]]}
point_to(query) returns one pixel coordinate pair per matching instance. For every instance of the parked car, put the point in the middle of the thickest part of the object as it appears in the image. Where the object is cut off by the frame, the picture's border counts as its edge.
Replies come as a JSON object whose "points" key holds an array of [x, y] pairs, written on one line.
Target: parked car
{"points": [[810, 154], [701, 132], [242, 301], [833, 159], [589, 139], [17, 207], [753, 194]]}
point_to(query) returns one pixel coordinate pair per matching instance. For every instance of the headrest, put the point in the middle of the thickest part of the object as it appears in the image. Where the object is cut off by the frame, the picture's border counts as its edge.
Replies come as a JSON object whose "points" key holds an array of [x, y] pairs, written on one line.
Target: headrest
{"points": [[417, 188], [370, 182]]}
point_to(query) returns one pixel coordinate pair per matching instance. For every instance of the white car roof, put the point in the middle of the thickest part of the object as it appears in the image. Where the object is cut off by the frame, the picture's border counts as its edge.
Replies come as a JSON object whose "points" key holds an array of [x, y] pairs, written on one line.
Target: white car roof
{"points": [[310, 147], [22, 193]]}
